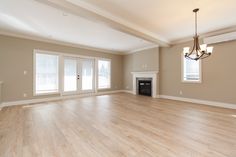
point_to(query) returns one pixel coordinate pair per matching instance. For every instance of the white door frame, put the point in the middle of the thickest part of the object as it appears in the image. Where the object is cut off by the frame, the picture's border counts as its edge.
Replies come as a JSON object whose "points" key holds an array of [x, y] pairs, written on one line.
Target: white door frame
{"points": [[79, 72]]}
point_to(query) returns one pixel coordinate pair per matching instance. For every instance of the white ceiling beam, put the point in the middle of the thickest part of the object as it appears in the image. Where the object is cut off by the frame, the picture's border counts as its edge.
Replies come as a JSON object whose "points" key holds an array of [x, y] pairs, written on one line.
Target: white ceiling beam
{"points": [[89, 12]]}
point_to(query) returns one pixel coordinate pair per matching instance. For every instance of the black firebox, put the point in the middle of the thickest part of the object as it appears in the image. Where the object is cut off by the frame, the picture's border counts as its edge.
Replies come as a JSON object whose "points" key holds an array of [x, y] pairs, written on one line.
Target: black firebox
{"points": [[145, 87]]}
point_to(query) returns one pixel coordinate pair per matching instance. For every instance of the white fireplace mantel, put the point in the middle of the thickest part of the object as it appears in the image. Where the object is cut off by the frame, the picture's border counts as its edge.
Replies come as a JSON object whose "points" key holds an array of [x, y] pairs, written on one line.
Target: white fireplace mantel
{"points": [[145, 74]]}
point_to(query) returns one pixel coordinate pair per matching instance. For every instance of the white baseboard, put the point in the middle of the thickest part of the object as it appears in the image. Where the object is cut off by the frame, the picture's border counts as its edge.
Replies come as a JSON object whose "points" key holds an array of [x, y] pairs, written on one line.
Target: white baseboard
{"points": [[127, 91], [198, 101], [131, 92], [40, 100]]}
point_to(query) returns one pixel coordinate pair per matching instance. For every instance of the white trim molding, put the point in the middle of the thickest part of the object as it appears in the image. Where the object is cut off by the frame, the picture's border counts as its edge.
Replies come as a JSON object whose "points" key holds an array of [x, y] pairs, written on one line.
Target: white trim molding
{"points": [[145, 74], [206, 35], [142, 49], [127, 91], [199, 101], [41, 100], [63, 97]]}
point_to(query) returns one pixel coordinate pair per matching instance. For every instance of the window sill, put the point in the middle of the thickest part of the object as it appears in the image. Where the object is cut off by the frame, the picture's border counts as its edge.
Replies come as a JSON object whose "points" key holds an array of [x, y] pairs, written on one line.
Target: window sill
{"points": [[42, 94], [197, 82], [104, 88]]}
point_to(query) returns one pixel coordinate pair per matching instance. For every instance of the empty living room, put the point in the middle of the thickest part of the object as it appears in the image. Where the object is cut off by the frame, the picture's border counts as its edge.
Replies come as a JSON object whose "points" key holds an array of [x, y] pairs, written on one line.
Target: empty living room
{"points": [[117, 78]]}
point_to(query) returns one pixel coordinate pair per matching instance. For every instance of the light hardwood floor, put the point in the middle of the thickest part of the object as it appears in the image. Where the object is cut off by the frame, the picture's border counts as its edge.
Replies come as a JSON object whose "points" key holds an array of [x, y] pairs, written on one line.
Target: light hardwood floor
{"points": [[115, 126]]}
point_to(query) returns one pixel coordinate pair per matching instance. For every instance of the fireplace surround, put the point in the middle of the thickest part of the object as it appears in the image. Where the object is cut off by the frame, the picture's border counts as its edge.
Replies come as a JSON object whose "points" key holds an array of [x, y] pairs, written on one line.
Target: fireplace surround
{"points": [[145, 75]]}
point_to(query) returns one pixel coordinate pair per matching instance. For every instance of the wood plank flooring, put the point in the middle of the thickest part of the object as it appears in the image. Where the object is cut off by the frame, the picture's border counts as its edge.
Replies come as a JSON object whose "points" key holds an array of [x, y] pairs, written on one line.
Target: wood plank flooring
{"points": [[118, 125]]}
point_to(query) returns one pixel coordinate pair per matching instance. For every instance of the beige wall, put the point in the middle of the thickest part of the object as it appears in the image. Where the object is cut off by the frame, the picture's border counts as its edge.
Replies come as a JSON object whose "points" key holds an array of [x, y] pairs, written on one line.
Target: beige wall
{"points": [[146, 60], [0, 92], [16, 55], [218, 74]]}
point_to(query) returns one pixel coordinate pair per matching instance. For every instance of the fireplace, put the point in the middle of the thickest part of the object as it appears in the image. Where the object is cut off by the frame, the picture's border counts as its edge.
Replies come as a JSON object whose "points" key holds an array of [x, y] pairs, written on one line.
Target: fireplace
{"points": [[145, 76], [144, 86]]}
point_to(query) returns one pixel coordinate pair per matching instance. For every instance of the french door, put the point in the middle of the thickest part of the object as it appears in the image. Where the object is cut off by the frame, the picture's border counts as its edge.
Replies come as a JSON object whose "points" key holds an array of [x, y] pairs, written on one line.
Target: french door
{"points": [[78, 75]]}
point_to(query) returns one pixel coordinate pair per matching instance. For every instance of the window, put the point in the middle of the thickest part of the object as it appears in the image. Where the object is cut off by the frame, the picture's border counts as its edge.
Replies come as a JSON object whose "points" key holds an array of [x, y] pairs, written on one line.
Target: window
{"points": [[191, 70], [46, 73], [104, 74], [60, 73]]}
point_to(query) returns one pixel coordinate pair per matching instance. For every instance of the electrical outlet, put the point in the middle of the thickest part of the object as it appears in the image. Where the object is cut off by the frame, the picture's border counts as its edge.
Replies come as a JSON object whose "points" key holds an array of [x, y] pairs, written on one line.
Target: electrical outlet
{"points": [[145, 66], [180, 92], [24, 95], [25, 72]]}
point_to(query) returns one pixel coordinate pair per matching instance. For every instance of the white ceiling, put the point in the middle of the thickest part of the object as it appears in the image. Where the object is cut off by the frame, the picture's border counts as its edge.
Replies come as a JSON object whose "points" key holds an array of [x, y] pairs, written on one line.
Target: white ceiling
{"points": [[171, 19], [29, 17], [114, 25]]}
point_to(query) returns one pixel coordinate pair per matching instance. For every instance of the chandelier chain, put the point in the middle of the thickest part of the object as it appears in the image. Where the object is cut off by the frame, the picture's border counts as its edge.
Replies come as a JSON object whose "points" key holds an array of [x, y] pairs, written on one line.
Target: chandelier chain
{"points": [[196, 23]]}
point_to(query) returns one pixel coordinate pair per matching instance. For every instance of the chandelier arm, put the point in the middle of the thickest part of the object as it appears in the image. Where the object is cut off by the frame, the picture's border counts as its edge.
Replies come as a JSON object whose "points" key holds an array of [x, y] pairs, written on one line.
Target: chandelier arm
{"points": [[206, 55], [203, 53], [189, 54], [194, 46], [202, 56], [198, 48], [188, 57]]}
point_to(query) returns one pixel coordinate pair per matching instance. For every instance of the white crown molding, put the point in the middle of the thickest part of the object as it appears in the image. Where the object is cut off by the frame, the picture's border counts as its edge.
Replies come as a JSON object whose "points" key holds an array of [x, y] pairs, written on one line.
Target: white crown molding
{"points": [[40, 100], [144, 72], [220, 38], [86, 10], [199, 101], [205, 35], [54, 41], [141, 49]]}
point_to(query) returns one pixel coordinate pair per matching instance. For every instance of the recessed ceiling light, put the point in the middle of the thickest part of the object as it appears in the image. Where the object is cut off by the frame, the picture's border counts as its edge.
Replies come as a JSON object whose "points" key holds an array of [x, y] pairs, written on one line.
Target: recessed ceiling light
{"points": [[141, 40], [64, 14]]}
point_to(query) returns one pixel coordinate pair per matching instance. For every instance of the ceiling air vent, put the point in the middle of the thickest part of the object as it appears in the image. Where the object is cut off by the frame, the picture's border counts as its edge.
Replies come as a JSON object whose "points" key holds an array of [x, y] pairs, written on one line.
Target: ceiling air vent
{"points": [[220, 38]]}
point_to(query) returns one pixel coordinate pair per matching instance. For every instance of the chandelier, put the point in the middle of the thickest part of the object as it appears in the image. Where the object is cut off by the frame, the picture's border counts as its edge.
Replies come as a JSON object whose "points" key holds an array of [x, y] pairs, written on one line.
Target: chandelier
{"points": [[198, 51]]}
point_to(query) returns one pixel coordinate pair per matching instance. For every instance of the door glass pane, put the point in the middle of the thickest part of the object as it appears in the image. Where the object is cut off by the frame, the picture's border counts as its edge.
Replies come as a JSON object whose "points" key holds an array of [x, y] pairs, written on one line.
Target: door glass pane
{"points": [[87, 74], [70, 75]]}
